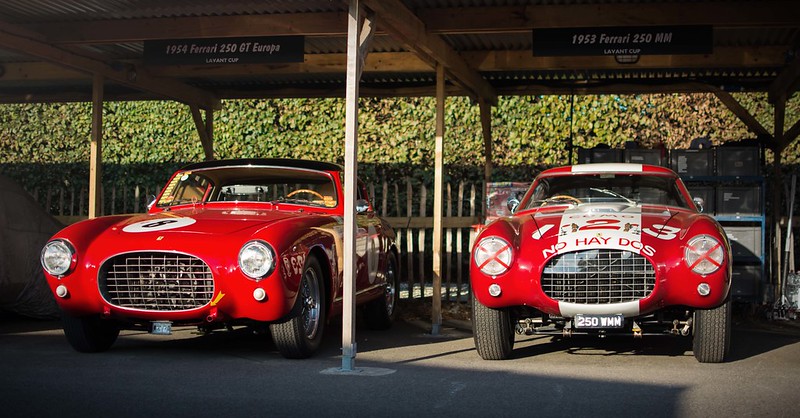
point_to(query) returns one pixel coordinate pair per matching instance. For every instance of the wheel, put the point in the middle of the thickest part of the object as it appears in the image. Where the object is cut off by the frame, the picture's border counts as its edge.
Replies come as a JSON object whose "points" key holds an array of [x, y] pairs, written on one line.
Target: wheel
{"points": [[381, 312], [493, 331], [309, 191], [712, 333], [90, 334], [562, 197], [301, 335]]}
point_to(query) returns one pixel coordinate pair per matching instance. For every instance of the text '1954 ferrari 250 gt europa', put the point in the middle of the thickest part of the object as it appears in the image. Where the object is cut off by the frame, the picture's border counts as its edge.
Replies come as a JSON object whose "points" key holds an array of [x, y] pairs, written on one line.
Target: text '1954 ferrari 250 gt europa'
{"points": [[603, 249], [249, 242]]}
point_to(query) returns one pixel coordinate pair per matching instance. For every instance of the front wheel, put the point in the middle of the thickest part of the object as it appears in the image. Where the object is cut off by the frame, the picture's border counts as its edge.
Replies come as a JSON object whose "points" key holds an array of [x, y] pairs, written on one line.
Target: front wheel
{"points": [[381, 312], [300, 336], [712, 333], [492, 330], [90, 334]]}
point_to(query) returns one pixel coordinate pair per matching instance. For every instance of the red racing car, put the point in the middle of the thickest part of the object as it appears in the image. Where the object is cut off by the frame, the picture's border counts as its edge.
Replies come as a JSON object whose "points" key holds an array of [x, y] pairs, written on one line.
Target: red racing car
{"points": [[601, 249], [226, 243]]}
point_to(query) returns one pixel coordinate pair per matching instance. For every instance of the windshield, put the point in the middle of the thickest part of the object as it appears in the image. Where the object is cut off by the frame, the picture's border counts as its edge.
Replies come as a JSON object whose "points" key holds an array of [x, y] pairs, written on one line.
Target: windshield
{"points": [[251, 184], [633, 189]]}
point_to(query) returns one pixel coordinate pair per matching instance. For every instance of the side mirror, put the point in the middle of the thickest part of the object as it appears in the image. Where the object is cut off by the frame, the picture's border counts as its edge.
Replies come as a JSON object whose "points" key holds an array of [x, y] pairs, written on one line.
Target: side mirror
{"points": [[362, 206], [700, 203], [513, 203]]}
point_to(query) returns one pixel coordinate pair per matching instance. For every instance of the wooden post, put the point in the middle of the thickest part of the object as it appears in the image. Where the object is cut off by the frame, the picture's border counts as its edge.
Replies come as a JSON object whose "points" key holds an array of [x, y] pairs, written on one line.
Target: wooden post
{"points": [[96, 148], [486, 128], [438, 195], [205, 129]]}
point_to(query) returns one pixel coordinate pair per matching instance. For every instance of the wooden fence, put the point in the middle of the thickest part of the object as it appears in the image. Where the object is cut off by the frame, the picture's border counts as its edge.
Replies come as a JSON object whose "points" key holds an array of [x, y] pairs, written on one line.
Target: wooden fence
{"points": [[407, 205]]}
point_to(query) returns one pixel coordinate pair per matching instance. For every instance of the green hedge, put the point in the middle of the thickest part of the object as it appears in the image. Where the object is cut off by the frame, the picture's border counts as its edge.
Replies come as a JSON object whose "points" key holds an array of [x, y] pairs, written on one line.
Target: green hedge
{"points": [[145, 141]]}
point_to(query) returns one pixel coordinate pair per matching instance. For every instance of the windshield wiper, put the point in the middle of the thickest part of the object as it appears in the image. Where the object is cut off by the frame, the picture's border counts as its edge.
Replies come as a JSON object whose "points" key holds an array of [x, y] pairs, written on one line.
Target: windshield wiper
{"points": [[614, 194]]}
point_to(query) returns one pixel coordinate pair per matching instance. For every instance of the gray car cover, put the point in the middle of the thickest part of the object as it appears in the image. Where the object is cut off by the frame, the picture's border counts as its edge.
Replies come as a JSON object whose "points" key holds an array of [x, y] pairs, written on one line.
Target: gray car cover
{"points": [[24, 229]]}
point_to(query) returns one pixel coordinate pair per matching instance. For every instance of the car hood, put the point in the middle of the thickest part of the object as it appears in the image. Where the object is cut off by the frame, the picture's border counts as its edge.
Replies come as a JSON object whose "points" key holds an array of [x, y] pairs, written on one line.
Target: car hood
{"points": [[201, 221], [640, 229]]}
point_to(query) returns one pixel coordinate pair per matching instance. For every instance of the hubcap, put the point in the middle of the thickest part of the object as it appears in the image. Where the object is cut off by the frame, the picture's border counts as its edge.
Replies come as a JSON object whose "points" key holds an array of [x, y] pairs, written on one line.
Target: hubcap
{"points": [[390, 290], [311, 300]]}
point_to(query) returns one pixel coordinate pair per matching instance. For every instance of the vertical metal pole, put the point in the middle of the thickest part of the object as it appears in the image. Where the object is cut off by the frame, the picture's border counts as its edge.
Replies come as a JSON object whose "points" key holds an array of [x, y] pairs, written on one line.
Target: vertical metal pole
{"points": [[351, 173], [96, 148], [438, 196]]}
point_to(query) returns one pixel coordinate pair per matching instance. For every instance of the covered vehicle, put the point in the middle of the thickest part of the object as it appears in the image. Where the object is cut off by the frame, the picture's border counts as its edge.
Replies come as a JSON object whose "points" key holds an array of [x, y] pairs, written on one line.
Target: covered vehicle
{"points": [[603, 249], [226, 243]]}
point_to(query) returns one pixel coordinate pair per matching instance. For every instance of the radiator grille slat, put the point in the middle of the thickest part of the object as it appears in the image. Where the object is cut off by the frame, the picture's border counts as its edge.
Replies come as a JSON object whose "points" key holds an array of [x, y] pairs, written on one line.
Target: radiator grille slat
{"points": [[599, 276], [156, 281]]}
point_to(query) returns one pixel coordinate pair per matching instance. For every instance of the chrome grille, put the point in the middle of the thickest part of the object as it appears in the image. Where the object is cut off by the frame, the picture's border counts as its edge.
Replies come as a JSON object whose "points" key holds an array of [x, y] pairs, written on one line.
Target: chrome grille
{"points": [[156, 281], [598, 277]]}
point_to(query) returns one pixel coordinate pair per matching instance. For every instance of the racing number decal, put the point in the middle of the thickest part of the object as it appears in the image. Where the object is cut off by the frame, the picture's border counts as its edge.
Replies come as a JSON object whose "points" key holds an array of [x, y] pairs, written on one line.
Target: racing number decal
{"points": [[155, 225], [664, 232], [293, 265], [592, 224]]}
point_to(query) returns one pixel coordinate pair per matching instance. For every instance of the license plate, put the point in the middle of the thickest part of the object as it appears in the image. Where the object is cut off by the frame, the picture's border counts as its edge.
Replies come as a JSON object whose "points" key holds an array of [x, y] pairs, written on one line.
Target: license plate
{"points": [[161, 328], [599, 321]]}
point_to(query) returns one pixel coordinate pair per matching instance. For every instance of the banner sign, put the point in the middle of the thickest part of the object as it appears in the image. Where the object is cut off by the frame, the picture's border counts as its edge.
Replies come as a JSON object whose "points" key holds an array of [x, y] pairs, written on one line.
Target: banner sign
{"points": [[250, 50], [639, 40]]}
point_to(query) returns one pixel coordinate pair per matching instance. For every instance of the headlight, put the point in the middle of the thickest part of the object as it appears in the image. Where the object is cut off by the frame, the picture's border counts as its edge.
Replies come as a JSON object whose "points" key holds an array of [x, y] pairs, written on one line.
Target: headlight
{"points": [[493, 256], [58, 257], [704, 254], [256, 259]]}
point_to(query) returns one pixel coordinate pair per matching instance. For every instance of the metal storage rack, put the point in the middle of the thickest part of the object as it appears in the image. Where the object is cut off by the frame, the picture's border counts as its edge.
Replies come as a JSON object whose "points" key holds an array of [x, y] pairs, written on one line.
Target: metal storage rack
{"points": [[735, 193]]}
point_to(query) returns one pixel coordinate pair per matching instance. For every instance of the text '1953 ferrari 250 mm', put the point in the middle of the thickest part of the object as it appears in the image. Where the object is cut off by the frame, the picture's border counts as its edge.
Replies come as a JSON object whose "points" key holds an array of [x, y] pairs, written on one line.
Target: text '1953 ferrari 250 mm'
{"points": [[252, 242], [601, 249]]}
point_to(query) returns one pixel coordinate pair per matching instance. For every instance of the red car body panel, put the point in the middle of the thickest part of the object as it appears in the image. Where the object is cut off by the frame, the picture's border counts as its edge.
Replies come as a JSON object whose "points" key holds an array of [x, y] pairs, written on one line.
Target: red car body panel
{"points": [[215, 232], [658, 233]]}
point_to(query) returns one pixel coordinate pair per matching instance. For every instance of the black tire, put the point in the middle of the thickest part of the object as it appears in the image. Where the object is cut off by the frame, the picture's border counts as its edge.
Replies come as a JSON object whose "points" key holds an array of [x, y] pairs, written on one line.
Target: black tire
{"points": [[381, 312], [712, 333], [493, 331], [301, 335], [90, 334]]}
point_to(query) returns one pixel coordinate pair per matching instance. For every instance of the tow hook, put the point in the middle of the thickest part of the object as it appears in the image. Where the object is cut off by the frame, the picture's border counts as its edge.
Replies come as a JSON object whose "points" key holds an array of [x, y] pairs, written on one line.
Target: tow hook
{"points": [[637, 331], [567, 330], [687, 328]]}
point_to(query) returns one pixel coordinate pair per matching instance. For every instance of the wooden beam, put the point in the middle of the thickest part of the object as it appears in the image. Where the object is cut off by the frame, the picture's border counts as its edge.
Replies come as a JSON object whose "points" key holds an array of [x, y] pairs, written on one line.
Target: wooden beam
{"points": [[792, 133], [137, 30], [204, 130], [786, 83], [522, 18], [11, 39], [442, 21], [724, 57], [398, 20], [438, 197], [486, 129], [96, 150], [733, 105]]}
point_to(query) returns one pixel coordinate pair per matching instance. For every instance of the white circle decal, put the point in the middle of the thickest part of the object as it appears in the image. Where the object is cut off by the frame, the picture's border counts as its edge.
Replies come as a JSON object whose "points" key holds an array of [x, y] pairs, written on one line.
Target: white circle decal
{"points": [[161, 224]]}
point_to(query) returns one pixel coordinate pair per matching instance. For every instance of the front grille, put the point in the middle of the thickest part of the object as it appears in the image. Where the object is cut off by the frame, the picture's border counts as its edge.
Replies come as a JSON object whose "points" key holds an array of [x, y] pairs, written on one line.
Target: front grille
{"points": [[598, 277], [156, 281]]}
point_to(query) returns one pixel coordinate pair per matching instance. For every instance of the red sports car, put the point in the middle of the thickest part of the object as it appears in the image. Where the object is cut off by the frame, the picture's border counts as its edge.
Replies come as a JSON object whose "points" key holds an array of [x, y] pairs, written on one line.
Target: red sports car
{"points": [[226, 243], [602, 249]]}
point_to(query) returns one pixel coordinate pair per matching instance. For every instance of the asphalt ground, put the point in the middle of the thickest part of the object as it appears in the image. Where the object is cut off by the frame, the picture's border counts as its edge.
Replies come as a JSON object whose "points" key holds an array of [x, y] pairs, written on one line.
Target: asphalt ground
{"points": [[402, 372]]}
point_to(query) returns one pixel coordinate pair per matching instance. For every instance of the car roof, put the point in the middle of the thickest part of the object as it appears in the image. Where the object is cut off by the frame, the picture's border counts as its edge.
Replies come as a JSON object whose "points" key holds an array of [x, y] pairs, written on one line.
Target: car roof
{"points": [[266, 162], [620, 168]]}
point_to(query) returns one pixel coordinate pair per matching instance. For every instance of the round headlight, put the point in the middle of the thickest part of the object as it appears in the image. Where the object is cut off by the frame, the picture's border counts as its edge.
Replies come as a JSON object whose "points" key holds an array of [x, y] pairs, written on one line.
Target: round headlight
{"points": [[704, 254], [493, 255], [58, 257], [256, 259]]}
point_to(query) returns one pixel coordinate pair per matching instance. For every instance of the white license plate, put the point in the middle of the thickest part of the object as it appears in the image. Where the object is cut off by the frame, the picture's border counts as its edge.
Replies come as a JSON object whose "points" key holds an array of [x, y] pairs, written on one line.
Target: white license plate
{"points": [[161, 328], [599, 321]]}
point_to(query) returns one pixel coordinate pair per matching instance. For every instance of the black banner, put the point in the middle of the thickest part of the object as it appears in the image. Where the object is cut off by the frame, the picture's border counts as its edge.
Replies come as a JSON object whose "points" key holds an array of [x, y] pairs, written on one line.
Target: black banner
{"points": [[639, 40], [225, 51]]}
